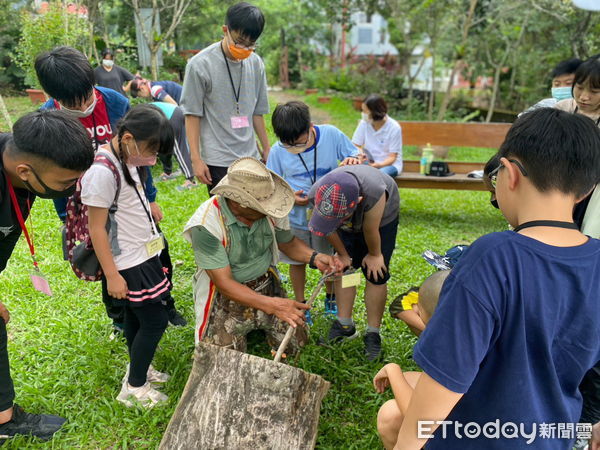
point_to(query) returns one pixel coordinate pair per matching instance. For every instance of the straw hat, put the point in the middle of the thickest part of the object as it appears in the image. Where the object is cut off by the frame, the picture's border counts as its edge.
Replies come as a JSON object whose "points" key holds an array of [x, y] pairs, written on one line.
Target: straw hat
{"points": [[249, 183]]}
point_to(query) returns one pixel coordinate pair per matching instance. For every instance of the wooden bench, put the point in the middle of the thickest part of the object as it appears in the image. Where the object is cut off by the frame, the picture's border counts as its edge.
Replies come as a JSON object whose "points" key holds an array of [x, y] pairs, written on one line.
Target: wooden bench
{"points": [[482, 135]]}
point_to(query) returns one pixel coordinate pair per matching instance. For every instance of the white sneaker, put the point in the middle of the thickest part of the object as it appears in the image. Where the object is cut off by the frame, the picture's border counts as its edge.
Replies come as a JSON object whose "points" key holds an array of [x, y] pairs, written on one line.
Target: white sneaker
{"points": [[152, 376], [146, 395]]}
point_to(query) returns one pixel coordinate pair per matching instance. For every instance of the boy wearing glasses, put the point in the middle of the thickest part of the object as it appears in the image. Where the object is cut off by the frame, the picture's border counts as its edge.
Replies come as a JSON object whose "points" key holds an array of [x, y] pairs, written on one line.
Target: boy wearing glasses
{"points": [[518, 323], [225, 97], [304, 153]]}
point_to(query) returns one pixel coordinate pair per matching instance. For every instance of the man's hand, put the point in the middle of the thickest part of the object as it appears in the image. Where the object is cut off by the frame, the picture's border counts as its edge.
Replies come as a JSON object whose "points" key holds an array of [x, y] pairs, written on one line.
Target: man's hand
{"points": [[117, 286], [4, 313], [328, 264], [345, 261], [375, 266], [350, 161], [289, 311], [381, 380], [201, 171], [156, 212], [300, 198], [595, 442]]}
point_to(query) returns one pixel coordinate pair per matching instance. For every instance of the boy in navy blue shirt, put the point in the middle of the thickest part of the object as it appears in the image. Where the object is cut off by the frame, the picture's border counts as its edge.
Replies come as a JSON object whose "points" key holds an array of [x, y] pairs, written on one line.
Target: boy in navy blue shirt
{"points": [[304, 153], [518, 322]]}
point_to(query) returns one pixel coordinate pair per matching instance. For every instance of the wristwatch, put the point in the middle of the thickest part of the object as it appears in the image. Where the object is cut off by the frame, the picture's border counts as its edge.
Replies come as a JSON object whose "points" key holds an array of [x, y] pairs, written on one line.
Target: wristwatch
{"points": [[311, 261]]}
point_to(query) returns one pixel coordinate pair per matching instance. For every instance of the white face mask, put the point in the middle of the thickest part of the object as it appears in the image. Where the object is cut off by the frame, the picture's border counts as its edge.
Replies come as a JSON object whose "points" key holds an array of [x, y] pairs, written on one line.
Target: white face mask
{"points": [[364, 116], [78, 114], [108, 62]]}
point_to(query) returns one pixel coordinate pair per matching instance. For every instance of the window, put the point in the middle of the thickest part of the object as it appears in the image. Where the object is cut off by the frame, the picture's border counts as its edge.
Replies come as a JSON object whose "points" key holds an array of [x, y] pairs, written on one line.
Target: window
{"points": [[365, 36]]}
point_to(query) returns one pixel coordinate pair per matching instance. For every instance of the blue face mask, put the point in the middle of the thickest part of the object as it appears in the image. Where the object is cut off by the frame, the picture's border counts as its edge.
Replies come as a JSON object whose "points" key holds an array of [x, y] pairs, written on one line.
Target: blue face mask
{"points": [[562, 93]]}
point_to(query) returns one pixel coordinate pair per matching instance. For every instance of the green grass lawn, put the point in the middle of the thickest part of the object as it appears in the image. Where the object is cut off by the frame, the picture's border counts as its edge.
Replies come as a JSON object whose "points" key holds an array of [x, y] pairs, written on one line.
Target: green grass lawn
{"points": [[63, 361]]}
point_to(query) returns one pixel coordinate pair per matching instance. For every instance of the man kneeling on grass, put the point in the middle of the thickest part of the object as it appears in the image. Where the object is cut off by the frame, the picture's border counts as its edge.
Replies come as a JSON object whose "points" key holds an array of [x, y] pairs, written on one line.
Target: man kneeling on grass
{"points": [[518, 323], [46, 154], [236, 236]]}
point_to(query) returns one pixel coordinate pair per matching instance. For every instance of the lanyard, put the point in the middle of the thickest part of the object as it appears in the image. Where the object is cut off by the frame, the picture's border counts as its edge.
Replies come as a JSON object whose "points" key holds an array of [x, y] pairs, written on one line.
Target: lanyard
{"points": [[235, 94], [19, 214], [137, 191], [547, 223], [313, 179], [597, 120]]}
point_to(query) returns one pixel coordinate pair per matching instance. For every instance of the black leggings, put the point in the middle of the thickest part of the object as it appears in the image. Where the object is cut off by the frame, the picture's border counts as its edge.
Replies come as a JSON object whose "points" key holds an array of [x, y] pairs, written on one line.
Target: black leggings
{"points": [[7, 392], [144, 326]]}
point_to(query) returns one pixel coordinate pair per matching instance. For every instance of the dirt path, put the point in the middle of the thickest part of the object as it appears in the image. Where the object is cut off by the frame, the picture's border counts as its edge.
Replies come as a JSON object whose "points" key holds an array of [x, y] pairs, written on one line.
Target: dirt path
{"points": [[317, 115]]}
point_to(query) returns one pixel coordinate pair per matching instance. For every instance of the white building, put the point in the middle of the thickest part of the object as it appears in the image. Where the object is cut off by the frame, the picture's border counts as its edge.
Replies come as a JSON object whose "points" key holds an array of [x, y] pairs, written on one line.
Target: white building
{"points": [[368, 35]]}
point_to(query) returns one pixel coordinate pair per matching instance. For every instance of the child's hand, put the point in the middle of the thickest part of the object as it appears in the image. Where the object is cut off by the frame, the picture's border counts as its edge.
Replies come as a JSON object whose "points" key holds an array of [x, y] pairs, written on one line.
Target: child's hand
{"points": [[117, 286], [300, 198], [4, 314], [381, 381]]}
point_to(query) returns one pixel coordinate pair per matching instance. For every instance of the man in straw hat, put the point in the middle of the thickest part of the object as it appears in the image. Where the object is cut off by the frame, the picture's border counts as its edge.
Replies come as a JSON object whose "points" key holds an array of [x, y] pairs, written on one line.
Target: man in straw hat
{"points": [[236, 236]]}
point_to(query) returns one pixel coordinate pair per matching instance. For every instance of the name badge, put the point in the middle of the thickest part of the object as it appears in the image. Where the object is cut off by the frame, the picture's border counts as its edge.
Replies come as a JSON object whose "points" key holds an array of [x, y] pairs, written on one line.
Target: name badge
{"points": [[351, 280], [239, 122], [40, 283], [155, 245]]}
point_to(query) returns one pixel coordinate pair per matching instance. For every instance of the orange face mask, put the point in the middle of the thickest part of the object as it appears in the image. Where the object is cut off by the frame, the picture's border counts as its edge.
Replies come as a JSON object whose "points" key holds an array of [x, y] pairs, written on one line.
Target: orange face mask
{"points": [[239, 53]]}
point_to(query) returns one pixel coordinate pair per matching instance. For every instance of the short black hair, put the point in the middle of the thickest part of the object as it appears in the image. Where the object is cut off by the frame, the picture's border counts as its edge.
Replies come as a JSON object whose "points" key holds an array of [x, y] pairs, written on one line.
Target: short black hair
{"points": [[376, 105], [66, 75], [559, 150], [246, 19], [589, 72], [134, 87], [53, 136], [107, 51], [290, 121], [566, 67]]}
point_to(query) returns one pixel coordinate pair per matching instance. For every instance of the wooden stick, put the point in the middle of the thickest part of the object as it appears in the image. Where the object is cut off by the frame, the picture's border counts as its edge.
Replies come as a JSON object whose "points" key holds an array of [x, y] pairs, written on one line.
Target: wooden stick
{"points": [[290, 331]]}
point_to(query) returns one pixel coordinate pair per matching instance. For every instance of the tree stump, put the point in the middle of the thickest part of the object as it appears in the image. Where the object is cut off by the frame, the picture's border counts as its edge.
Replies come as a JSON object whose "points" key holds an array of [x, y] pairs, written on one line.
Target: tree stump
{"points": [[237, 401]]}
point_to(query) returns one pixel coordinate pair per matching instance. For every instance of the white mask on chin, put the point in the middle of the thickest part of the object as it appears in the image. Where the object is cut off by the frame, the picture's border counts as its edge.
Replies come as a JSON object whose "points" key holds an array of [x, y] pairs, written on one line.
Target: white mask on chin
{"points": [[108, 62]]}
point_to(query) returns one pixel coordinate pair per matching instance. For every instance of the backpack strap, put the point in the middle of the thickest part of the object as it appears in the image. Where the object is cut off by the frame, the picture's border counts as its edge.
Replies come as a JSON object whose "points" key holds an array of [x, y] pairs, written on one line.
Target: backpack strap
{"points": [[111, 226]]}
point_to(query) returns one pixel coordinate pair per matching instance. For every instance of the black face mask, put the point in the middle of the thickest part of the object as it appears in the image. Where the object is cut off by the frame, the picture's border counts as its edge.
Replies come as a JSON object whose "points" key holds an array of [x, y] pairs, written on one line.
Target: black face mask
{"points": [[494, 203], [48, 191]]}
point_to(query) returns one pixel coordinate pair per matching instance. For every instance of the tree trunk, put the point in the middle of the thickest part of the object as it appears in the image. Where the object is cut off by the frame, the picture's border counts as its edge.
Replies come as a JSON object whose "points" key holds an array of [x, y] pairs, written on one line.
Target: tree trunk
{"points": [[233, 400], [5, 114], [154, 61], [457, 63], [433, 91], [490, 112]]}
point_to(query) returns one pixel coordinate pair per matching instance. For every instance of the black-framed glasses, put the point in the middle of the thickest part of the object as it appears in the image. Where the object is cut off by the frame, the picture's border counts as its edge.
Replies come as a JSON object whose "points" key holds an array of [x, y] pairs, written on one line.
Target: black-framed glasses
{"points": [[493, 175], [243, 45], [298, 145]]}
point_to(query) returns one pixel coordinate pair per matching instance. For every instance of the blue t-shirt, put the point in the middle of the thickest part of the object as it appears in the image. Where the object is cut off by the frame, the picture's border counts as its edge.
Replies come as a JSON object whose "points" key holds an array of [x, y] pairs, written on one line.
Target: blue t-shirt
{"points": [[332, 147], [160, 89], [516, 328]]}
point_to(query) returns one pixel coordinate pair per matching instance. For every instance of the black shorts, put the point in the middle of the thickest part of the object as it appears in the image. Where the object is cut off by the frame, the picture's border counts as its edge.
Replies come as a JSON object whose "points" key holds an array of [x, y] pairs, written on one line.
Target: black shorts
{"points": [[357, 248]]}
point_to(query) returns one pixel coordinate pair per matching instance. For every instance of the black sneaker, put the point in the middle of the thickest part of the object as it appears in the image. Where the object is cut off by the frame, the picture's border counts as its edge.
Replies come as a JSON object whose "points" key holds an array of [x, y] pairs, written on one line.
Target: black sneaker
{"points": [[372, 346], [339, 332], [176, 318], [42, 426]]}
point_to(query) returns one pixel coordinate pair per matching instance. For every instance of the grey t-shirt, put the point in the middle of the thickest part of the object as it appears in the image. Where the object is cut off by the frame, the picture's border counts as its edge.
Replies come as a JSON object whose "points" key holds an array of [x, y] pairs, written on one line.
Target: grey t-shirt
{"points": [[208, 94], [372, 184], [113, 79]]}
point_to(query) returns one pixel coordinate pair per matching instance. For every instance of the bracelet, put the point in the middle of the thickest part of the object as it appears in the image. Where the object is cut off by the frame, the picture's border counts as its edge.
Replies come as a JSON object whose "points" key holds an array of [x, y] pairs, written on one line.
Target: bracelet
{"points": [[311, 261]]}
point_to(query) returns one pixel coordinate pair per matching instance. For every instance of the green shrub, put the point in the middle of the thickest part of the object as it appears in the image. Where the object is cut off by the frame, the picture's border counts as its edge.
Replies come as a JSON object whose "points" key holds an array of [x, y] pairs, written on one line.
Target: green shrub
{"points": [[42, 32]]}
